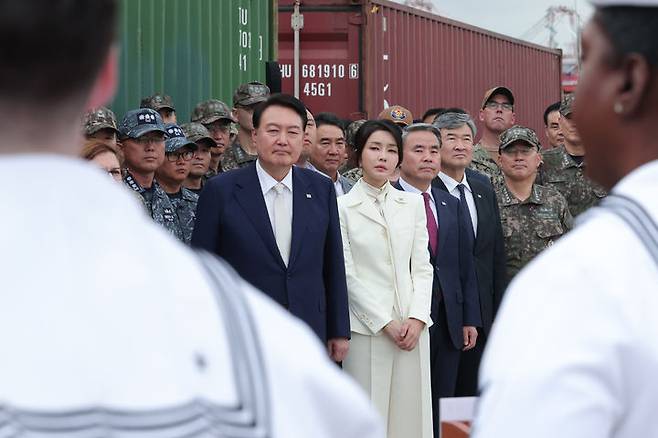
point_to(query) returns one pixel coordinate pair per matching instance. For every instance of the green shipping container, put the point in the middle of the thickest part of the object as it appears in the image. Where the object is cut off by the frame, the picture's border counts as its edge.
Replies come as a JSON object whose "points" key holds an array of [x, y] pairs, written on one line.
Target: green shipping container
{"points": [[192, 50]]}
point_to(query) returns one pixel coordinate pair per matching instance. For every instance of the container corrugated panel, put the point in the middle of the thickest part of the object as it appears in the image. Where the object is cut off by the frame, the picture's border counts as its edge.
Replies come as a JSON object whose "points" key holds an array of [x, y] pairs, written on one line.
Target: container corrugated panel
{"points": [[420, 60], [416, 59], [192, 49]]}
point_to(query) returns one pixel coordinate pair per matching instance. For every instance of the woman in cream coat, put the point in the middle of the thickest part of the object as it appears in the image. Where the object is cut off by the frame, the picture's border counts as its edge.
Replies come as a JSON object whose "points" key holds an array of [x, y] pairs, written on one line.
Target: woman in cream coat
{"points": [[389, 282]]}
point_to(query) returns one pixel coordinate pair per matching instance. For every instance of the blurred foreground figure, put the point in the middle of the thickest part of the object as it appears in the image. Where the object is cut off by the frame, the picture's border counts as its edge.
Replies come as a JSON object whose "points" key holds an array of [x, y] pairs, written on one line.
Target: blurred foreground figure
{"points": [[574, 351], [124, 332]]}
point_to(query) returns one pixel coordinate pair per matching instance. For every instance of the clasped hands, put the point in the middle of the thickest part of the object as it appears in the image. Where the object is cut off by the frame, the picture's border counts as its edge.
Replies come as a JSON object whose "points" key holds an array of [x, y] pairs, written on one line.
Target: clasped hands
{"points": [[405, 333]]}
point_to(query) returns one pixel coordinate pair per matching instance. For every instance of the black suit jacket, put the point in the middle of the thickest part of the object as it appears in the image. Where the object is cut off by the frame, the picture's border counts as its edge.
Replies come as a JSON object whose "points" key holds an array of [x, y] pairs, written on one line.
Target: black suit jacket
{"points": [[488, 248], [454, 276], [232, 222]]}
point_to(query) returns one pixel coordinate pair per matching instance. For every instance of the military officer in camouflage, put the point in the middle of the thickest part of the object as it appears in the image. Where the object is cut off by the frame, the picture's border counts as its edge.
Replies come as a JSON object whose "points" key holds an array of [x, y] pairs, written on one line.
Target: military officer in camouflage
{"points": [[200, 168], [216, 116], [242, 152], [351, 169], [142, 136], [101, 124], [564, 166], [163, 104], [171, 175], [532, 216], [496, 115]]}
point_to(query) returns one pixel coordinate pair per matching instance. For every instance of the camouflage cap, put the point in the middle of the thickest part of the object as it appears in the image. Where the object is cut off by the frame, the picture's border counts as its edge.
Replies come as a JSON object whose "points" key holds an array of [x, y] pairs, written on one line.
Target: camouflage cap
{"points": [[518, 133], [497, 90], [157, 102], [250, 93], [97, 119], [350, 131], [176, 138], [210, 111], [138, 122], [398, 115], [566, 106], [196, 132]]}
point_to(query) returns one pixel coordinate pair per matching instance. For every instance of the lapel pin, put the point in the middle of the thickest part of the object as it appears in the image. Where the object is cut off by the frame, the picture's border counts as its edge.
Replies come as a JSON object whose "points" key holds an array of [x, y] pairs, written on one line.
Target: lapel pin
{"points": [[479, 195], [443, 202], [308, 195]]}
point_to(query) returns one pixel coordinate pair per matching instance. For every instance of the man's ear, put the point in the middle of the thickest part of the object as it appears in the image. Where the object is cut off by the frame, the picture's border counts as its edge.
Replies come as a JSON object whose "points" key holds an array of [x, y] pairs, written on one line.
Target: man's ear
{"points": [[105, 84], [631, 88], [481, 115]]}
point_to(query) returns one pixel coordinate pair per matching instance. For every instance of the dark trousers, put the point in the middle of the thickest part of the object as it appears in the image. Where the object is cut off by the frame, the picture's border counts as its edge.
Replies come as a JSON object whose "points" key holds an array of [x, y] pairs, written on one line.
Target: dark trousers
{"points": [[469, 366], [444, 359]]}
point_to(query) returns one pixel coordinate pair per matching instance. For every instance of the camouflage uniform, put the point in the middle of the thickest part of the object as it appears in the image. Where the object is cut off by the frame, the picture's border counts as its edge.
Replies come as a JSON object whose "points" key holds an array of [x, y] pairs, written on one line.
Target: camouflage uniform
{"points": [[483, 163], [97, 119], [532, 225], [157, 102], [134, 124], [564, 174], [236, 157], [350, 134], [184, 203], [158, 205], [246, 95], [353, 175]]}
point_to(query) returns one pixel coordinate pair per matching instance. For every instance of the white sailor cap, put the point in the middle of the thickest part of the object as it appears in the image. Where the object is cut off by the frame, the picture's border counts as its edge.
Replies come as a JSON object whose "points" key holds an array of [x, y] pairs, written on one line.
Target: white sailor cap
{"points": [[636, 3]]}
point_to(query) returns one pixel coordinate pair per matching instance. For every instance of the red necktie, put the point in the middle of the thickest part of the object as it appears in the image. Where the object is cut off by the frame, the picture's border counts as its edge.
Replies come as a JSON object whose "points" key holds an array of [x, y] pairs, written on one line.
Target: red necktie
{"points": [[432, 228]]}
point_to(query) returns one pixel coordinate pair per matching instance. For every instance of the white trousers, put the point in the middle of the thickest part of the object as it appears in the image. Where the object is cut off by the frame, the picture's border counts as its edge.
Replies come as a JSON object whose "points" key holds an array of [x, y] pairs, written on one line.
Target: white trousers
{"points": [[397, 381]]}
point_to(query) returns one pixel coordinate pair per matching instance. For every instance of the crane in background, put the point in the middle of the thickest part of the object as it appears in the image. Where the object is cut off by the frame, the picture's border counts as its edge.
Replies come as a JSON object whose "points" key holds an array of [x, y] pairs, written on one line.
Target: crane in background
{"points": [[545, 32]]}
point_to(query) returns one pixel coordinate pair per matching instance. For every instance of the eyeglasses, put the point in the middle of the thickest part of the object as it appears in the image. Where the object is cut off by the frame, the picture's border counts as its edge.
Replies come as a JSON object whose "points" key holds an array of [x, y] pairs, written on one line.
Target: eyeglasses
{"points": [[493, 105], [175, 156]]}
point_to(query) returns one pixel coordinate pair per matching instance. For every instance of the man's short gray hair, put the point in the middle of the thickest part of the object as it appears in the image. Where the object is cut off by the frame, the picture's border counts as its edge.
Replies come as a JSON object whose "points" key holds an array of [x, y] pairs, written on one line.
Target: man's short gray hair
{"points": [[454, 121], [416, 127]]}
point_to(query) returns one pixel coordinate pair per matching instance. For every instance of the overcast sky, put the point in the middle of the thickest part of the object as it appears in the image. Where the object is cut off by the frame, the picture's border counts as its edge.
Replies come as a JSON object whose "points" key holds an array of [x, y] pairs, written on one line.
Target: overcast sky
{"points": [[512, 17]]}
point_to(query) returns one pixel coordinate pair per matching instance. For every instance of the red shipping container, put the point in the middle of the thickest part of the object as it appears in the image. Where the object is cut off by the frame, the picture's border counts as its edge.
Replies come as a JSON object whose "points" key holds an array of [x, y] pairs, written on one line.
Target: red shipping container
{"points": [[358, 57]]}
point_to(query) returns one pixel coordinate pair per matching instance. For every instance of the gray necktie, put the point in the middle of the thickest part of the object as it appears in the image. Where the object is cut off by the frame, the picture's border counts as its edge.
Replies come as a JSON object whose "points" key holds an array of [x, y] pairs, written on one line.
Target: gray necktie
{"points": [[282, 223]]}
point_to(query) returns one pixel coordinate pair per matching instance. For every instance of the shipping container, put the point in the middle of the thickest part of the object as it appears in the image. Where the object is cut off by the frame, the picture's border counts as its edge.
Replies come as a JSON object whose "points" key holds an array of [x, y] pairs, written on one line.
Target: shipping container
{"points": [[358, 57], [192, 50]]}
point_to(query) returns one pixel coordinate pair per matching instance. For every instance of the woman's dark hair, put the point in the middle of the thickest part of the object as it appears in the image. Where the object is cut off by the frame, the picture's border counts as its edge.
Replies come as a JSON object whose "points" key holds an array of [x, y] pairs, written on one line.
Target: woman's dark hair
{"points": [[284, 100], [631, 30], [372, 126]]}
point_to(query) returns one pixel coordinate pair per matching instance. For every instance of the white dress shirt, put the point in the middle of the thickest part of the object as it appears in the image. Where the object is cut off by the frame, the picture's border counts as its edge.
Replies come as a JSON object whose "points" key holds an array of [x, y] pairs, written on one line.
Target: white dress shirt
{"points": [[102, 309], [337, 185], [587, 309], [409, 188], [451, 184], [267, 184]]}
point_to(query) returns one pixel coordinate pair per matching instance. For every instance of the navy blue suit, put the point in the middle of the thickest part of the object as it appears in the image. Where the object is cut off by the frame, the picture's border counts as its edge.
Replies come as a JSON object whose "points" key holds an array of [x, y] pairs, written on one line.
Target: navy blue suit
{"points": [[455, 302], [489, 260], [232, 222]]}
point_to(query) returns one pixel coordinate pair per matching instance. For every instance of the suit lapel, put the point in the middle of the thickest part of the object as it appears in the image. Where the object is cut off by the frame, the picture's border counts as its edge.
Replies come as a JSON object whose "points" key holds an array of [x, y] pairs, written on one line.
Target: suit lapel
{"points": [[302, 197], [479, 200], [250, 197], [441, 212], [364, 207]]}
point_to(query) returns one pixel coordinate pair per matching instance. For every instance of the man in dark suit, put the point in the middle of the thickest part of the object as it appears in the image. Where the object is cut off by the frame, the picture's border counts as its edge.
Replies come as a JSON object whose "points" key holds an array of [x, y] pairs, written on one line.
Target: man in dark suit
{"points": [[455, 309], [480, 208], [278, 225]]}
